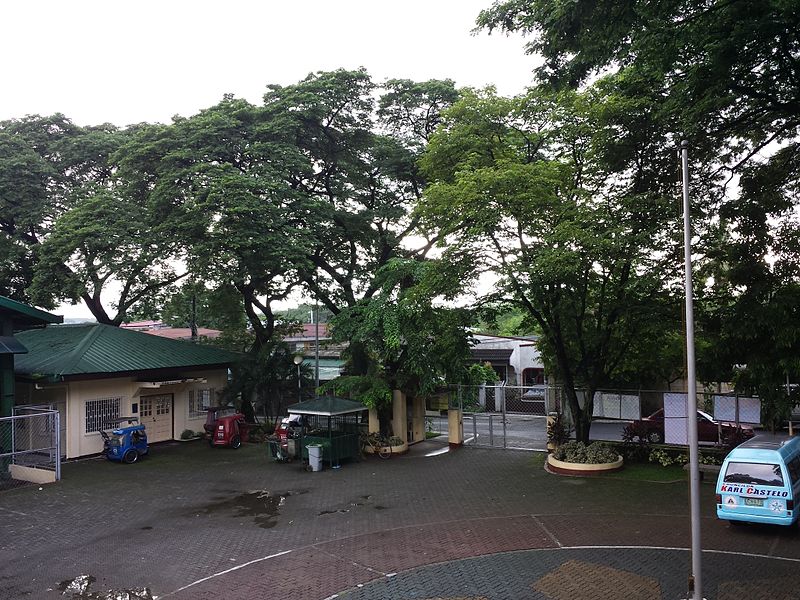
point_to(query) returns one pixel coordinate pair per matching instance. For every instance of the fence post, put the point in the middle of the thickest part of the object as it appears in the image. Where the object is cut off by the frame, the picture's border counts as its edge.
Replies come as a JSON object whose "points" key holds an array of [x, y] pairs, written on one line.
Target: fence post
{"points": [[503, 416], [491, 431], [57, 434], [474, 430]]}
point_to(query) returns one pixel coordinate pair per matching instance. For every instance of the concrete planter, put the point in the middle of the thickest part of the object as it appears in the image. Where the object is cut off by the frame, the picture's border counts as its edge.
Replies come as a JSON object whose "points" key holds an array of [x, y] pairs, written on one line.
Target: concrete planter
{"points": [[568, 468], [399, 449]]}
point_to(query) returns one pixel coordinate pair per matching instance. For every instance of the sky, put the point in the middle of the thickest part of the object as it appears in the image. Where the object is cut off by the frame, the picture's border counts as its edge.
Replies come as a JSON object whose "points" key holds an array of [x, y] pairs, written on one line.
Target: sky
{"points": [[127, 62]]}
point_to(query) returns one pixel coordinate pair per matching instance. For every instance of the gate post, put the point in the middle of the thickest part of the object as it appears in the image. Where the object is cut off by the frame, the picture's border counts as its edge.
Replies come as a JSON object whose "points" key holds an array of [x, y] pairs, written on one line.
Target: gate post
{"points": [[400, 415], [455, 427]]}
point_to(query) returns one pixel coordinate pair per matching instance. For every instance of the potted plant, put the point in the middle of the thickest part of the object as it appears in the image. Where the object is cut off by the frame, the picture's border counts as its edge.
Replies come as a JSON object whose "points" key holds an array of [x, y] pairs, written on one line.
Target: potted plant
{"points": [[558, 430]]}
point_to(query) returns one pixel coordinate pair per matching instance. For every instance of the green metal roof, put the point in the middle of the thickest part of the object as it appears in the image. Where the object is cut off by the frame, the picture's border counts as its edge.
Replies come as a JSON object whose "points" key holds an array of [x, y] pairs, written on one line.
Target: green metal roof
{"points": [[329, 368], [93, 349], [326, 406], [24, 316], [10, 345]]}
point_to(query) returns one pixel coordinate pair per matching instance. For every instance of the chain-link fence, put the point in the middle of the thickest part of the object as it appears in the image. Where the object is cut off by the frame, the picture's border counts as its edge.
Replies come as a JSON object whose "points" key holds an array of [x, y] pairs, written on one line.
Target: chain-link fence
{"points": [[30, 447]]}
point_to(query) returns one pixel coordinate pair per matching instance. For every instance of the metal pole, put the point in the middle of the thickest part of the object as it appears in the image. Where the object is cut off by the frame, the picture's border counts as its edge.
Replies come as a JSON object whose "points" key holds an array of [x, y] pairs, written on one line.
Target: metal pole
{"points": [[299, 388], [505, 444], [696, 579], [788, 394], [57, 434], [316, 344]]}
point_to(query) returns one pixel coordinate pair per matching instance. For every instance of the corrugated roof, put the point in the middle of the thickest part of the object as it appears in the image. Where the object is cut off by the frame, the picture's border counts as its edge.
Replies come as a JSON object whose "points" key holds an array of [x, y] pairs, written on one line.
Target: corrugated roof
{"points": [[94, 349], [24, 316], [496, 356], [326, 406], [10, 345]]}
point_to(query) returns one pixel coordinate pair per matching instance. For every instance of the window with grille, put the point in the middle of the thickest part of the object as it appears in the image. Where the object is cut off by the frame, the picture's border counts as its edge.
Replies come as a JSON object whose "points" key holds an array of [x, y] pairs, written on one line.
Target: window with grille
{"points": [[102, 413], [199, 401]]}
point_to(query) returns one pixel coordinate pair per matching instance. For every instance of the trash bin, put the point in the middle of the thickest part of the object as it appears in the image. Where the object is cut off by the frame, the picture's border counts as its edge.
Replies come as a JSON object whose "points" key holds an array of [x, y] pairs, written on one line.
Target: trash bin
{"points": [[315, 456]]}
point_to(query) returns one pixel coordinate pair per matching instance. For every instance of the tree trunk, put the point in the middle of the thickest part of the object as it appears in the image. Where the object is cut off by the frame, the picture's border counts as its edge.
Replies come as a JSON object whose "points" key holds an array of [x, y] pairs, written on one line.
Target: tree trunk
{"points": [[385, 420]]}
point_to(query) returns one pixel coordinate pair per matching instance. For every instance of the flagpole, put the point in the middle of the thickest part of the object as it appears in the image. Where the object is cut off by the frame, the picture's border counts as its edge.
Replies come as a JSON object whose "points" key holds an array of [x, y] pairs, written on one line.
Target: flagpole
{"points": [[696, 579]]}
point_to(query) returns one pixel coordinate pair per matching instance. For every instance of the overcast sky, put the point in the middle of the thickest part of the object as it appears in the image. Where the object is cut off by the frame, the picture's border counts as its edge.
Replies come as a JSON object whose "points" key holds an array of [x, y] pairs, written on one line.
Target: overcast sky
{"points": [[127, 62]]}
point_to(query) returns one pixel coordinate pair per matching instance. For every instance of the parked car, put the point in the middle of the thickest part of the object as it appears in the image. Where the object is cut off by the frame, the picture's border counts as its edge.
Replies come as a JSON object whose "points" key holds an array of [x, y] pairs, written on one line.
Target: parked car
{"points": [[708, 430]]}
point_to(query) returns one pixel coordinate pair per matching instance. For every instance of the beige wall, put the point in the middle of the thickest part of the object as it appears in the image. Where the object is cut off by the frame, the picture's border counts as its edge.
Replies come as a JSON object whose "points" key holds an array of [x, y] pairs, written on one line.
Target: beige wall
{"points": [[80, 443]]}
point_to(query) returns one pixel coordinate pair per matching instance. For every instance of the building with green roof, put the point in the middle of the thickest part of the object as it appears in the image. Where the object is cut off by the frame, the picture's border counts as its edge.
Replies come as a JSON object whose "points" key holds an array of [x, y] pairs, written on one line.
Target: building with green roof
{"points": [[14, 317], [96, 373]]}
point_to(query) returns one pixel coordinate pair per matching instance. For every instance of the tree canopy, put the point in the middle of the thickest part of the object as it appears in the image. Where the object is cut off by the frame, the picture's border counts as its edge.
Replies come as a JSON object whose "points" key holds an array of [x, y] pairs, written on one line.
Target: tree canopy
{"points": [[580, 243]]}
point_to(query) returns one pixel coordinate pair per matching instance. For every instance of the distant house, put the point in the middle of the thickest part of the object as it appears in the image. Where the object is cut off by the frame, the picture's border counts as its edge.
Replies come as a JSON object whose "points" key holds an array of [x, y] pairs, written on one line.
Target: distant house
{"points": [[515, 359], [175, 333], [304, 342], [96, 373]]}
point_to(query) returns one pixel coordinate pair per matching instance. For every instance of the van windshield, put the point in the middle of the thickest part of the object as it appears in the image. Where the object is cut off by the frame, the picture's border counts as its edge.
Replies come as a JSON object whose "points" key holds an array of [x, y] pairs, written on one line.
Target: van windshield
{"points": [[754, 474]]}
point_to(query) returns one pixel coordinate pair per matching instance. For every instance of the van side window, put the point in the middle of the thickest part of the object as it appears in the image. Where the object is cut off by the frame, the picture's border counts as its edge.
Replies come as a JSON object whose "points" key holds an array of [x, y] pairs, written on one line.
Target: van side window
{"points": [[754, 474], [794, 470]]}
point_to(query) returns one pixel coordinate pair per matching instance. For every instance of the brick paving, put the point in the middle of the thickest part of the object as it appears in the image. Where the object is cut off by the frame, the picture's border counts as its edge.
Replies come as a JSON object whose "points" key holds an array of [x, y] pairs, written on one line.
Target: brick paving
{"points": [[472, 524]]}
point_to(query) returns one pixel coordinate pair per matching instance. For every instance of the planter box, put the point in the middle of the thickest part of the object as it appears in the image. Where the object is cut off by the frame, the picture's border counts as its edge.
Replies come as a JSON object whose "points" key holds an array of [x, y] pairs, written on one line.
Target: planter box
{"points": [[399, 449], [568, 468]]}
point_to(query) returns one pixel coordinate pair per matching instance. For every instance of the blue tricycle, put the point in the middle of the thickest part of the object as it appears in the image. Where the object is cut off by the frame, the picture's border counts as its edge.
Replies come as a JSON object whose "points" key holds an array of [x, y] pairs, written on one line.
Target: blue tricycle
{"points": [[125, 443]]}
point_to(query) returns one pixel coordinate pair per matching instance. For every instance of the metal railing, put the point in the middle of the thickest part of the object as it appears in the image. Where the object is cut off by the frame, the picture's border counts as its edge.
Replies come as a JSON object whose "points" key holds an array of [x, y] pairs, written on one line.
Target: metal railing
{"points": [[30, 446]]}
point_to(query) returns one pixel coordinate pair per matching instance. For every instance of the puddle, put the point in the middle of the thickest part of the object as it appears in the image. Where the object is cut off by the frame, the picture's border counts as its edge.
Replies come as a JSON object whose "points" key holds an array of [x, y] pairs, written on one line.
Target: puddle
{"points": [[79, 589], [263, 505]]}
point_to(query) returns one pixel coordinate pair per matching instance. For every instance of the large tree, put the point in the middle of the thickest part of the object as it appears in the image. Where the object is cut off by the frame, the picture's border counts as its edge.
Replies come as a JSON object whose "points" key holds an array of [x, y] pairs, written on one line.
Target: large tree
{"points": [[68, 229], [219, 179], [555, 194]]}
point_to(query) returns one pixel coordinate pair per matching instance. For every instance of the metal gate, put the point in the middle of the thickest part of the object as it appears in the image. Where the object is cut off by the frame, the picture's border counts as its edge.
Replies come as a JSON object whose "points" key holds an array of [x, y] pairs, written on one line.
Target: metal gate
{"points": [[505, 416], [30, 448]]}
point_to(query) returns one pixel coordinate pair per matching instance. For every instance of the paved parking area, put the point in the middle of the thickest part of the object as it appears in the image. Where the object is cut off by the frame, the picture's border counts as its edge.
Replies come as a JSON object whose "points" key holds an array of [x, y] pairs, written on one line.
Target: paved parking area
{"points": [[194, 522]]}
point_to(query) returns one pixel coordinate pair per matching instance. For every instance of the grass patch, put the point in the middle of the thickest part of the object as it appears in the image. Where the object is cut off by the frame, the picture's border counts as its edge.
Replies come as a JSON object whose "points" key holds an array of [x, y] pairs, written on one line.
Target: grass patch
{"points": [[431, 434], [649, 472], [538, 459]]}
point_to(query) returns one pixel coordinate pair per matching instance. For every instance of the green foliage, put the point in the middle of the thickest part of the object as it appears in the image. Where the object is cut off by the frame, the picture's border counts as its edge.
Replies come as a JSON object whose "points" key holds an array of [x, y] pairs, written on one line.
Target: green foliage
{"points": [[726, 75], [666, 457], [187, 434], [371, 390], [578, 452], [415, 344], [477, 374], [532, 189], [70, 230]]}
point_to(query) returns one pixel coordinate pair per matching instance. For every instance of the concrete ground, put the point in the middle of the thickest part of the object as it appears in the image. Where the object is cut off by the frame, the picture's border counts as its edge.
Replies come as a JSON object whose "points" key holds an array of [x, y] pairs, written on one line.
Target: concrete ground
{"points": [[192, 522]]}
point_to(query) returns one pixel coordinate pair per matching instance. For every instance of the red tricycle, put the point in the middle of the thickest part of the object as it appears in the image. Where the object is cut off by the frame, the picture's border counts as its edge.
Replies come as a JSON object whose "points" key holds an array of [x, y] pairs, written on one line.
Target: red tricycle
{"points": [[226, 427]]}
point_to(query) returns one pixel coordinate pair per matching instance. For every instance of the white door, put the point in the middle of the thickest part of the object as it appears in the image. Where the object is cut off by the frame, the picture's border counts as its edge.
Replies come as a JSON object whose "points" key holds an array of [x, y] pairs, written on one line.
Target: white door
{"points": [[155, 413]]}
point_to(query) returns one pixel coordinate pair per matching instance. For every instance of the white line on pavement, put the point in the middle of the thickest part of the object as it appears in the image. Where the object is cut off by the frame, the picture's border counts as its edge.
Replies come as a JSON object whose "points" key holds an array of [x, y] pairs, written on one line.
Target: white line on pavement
{"points": [[226, 571]]}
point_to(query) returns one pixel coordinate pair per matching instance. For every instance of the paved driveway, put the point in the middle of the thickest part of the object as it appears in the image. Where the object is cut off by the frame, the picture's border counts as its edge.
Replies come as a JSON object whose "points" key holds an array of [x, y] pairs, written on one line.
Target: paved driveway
{"points": [[195, 522]]}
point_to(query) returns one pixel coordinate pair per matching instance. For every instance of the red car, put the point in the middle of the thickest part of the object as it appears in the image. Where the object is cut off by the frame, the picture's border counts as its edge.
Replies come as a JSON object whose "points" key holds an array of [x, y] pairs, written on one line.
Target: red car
{"points": [[708, 430]]}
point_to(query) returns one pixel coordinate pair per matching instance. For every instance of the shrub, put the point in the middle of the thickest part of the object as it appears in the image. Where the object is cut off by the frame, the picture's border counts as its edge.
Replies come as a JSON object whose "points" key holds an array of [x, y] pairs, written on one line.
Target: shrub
{"points": [[577, 452], [187, 434]]}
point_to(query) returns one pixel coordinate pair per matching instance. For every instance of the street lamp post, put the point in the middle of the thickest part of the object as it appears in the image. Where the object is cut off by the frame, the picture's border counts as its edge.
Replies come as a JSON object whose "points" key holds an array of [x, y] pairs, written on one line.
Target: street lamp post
{"points": [[298, 360]]}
